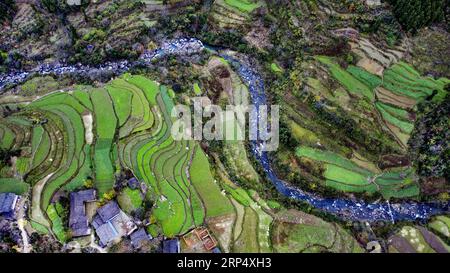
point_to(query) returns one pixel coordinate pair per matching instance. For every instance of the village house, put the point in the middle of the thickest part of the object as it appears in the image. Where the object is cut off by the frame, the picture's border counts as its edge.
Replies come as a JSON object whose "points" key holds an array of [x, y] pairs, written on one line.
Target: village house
{"points": [[8, 202], [139, 237], [78, 221], [133, 183], [171, 246], [111, 224]]}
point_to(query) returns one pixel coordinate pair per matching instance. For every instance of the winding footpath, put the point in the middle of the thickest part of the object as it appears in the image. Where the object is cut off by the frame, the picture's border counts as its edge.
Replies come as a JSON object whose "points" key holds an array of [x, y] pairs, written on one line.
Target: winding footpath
{"points": [[356, 210]]}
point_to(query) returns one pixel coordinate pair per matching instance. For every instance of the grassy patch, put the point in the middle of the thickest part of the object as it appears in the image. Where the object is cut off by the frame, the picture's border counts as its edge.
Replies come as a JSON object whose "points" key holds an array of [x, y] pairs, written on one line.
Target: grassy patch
{"points": [[122, 103], [248, 240], [13, 185], [105, 130], [7, 137], [244, 5], [298, 232], [216, 204], [344, 175], [441, 224], [372, 81], [57, 224], [130, 200], [350, 83], [197, 89], [276, 68]]}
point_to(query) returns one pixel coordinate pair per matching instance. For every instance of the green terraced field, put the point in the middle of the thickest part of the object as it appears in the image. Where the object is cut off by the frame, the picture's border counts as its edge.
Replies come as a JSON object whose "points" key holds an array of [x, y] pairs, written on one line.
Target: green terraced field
{"points": [[150, 88], [403, 79], [297, 232], [352, 84], [122, 103], [73, 139], [372, 81], [7, 136], [244, 5], [106, 123], [82, 95], [344, 175], [184, 197], [216, 204], [84, 170], [40, 145], [57, 224], [401, 85], [395, 117], [329, 157], [441, 225]]}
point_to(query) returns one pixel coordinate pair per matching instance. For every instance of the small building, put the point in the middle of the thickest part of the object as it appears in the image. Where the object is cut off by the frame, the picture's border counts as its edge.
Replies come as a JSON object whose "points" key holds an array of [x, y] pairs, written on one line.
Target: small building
{"points": [[199, 240], [139, 237], [8, 202], [133, 183], [208, 241], [78, 221], [108, 211], [111, 223], [216, 250], [171, 246]]}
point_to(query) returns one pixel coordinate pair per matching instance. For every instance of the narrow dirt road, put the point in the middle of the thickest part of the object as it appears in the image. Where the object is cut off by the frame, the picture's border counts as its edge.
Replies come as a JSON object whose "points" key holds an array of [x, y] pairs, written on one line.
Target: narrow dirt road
{"points": [[21, 222]]}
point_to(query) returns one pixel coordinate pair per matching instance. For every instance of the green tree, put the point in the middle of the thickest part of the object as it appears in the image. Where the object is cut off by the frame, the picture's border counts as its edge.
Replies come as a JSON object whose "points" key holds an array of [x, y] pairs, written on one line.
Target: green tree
{"points": [[415, 14], [7, 10]]}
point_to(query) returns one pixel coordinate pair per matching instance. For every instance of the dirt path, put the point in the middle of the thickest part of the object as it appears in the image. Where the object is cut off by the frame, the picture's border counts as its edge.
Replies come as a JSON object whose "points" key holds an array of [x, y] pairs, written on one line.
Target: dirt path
{"points": [[21, 222], [36, 211]]}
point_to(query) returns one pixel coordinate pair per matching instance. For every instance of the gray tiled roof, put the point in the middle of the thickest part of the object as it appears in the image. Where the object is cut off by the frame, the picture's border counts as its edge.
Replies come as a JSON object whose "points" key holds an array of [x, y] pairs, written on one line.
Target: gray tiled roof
{"points": [[106, 233], [7, 202], [216, 250], [108, 211], [97, 221], [133, 183], [171, 246], [78, 221], [138, 237]]}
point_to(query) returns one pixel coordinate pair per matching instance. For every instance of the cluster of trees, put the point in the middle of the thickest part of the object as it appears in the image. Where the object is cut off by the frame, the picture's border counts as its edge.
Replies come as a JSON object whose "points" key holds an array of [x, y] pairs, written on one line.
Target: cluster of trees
{"points": [[7, 9], [415, 14], [62, 6], [5, 156], [429, 143]]}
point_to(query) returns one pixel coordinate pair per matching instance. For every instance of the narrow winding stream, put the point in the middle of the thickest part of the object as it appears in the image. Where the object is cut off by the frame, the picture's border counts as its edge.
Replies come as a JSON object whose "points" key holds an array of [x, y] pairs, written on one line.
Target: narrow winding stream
{"points": [[357, 210]]}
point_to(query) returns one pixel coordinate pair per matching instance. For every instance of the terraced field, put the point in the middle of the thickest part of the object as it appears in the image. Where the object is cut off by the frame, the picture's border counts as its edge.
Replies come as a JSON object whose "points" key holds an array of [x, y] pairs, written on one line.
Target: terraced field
{"points": [[416, 239], [394, 94], [105, 123], [96, 132], [345, 175], [441, 225], [251, 231], [298, 232], [233, 13]]}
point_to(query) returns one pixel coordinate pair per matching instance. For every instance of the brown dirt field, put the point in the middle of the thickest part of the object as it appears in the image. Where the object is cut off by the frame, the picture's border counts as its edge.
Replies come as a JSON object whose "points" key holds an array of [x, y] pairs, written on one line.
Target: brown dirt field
{"points": [[222, 228], [296, 217], [386, 96], [391, 161], [434, 185], [371, 66], [400, 244], [364, 163], [401, 137]]}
